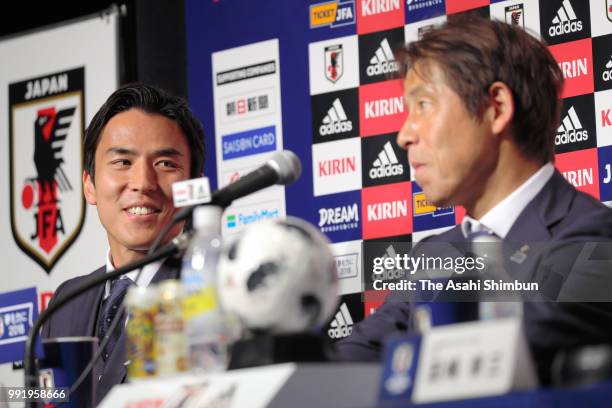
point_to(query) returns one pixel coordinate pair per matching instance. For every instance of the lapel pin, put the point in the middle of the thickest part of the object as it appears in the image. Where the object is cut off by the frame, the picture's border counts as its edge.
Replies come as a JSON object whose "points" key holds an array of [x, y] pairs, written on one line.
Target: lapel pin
{"points": [[520, 255]]}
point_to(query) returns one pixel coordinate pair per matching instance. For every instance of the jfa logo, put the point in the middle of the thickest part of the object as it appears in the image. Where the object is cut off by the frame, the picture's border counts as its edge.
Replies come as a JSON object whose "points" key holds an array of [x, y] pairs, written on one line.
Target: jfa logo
{"points": [[46, 149]]}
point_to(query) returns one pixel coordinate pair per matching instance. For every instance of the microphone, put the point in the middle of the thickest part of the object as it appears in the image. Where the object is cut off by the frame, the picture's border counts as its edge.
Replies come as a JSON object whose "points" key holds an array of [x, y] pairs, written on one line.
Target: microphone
{"points": [[283, 168]]}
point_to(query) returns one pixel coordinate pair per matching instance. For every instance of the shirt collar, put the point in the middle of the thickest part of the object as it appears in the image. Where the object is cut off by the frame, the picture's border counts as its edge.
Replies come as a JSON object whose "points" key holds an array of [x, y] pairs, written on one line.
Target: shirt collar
{"points": [[145, 278], [502, 216]]}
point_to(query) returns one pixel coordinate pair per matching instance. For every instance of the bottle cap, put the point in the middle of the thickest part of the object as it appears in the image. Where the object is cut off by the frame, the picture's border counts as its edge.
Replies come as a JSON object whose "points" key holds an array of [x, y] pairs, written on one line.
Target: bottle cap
{"points": [[207, 217]]}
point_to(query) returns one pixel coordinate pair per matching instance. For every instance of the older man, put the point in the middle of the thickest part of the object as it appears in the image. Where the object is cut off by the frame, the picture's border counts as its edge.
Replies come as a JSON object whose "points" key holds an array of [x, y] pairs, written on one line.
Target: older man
{"points": [[483, 109]]}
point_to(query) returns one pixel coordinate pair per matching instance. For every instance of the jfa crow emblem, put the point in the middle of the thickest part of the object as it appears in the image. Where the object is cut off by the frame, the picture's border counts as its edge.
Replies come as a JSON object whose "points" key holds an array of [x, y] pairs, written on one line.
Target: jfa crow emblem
{"points": [[334, 62], [46, 119]]}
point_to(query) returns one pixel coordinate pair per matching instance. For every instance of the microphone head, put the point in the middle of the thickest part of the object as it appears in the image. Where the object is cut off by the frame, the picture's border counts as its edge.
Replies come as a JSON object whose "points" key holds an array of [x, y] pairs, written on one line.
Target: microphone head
{"points": [[286, 165]]}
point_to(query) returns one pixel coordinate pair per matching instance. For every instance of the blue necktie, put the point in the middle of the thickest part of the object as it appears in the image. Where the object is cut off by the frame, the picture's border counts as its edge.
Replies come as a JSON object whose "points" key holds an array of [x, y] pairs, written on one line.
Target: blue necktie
{"points": [[110, 307]]}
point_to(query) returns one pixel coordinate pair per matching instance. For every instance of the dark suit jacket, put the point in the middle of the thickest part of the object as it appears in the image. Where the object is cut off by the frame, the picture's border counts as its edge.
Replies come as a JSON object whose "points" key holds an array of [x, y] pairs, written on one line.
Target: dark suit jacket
{"points": [[561, 215], [79, 317]]}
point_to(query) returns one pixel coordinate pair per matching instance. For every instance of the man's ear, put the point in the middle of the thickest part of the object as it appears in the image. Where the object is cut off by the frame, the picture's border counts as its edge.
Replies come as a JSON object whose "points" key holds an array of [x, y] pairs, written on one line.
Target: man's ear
{"points": [[89, 189], [501, 107]]}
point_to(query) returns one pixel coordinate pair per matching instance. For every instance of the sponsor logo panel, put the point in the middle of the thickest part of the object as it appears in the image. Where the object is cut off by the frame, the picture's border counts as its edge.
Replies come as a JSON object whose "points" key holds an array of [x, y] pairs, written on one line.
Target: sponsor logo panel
{"points": [[348, 257], [46, 122], [383, 161], [417, 236], [602, 62], [576, 62], [387, 210], [418, 10], [381, 108], [564, 20], [236, 218], [247, 112], [349, 312], [373, 299], [458, 6], [376, 60], [577, 127], [427, 216], [332, 14], [378, 15], [247, 106], [339, 216], [460, 213], [523, 13], [18, 312], [601, 17], [384, 250], [580, 169], [336, 166], [603, 117], [604, 155], [335, 115], [415, 31], [333, 65], [249, 142]]}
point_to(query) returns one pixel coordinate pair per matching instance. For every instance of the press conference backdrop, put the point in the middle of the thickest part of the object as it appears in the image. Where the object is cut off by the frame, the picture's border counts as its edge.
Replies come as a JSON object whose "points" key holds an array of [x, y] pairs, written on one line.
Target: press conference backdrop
{"points": [[52, 81], [313, 77], [309, 76]]}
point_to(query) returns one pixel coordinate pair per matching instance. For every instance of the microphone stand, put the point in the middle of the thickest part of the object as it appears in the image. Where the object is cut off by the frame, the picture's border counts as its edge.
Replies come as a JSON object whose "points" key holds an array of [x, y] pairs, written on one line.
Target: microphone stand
{"points": [[30, 366]]}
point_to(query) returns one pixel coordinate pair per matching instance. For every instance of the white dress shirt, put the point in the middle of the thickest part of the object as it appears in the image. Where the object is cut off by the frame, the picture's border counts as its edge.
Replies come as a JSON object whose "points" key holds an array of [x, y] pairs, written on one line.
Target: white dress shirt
{"points": [[502, 216], [148, 272]]}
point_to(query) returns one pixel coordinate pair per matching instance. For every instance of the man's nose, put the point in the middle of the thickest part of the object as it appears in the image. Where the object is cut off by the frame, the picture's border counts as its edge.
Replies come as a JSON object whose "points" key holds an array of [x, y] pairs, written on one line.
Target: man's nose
{"points": [[407, 134], [143, 177]]}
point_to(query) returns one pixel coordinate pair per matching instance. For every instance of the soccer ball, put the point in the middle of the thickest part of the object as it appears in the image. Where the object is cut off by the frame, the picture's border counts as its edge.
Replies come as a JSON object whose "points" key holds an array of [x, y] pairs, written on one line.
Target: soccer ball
{"points": [[279, 276]]}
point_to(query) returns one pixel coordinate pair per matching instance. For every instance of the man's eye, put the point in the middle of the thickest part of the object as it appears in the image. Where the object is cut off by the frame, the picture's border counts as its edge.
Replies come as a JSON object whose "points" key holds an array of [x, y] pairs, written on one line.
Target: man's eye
{"points": [[167, 164], [121, 162], [423, 104]]}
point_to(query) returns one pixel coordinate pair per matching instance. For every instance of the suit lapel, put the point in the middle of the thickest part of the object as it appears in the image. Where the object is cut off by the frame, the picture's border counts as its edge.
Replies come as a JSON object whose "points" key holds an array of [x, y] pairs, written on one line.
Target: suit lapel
{"points": [[170, 269], [91, 304], [548, 207], [532, 231]]}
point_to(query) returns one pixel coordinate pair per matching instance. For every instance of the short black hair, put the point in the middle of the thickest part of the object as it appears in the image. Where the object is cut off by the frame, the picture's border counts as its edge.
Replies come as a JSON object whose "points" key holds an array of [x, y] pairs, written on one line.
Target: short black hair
{"points": [[153, 100]]}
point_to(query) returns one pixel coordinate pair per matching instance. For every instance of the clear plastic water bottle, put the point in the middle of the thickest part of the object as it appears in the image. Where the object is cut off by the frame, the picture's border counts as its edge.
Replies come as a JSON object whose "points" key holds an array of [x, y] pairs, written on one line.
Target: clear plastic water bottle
{"points": [[206, 324]]}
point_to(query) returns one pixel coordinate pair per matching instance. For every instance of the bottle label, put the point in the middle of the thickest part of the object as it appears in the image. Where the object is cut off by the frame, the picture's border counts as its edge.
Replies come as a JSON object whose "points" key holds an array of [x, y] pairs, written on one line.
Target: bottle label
{"points": [[200, 302]]}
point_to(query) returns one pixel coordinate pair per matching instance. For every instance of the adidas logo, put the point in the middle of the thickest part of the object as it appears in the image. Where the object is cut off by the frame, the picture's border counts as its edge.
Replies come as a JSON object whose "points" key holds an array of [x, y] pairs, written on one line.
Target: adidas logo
{"points": [[342, 325], [383, 61], [335, 121], [570, 129], [387, 274], [565, 21], [386, 164], [607, 75]]}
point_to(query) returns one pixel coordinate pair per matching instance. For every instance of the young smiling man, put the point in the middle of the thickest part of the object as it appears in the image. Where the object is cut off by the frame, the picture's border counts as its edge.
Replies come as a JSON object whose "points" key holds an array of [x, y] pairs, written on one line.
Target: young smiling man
{"points": [[140, 142], [483, 110]]}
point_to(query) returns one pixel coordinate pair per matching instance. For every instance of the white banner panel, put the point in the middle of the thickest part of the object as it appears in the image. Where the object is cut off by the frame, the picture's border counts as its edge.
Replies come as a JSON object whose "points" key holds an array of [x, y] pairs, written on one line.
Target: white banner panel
{"points": [[248, 126], [52, 81]]}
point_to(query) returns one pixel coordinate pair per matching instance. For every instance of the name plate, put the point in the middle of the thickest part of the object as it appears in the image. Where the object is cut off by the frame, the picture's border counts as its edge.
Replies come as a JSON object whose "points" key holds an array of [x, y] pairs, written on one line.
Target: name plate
{"points": [[191, 192], [458, 361], [473, 359]]}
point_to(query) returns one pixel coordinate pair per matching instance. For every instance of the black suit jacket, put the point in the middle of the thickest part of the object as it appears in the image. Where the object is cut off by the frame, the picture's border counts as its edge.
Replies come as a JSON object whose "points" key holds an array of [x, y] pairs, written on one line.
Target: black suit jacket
{"points": [[566, 219], [79, 316]]}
